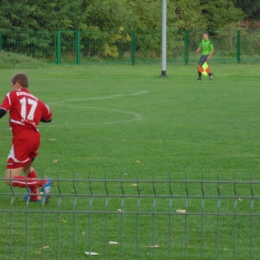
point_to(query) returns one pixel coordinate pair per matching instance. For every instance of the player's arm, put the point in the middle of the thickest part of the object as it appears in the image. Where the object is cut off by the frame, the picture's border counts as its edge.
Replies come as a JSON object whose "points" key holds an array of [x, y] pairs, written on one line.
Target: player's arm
{"points": [[47, 115], [199, 48], [211, 50], [3, 111], [46, 121], [5, 106], [210, 54]]}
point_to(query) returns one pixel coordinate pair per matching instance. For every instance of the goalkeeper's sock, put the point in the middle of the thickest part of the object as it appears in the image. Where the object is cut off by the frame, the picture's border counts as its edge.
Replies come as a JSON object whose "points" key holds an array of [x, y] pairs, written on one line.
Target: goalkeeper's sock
{"points": [[24, 182]]}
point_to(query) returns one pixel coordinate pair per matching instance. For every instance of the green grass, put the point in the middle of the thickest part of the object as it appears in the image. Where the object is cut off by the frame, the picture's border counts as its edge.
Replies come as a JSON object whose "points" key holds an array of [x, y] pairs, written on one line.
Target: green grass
{"points": [[9, 60], [124, 120]]}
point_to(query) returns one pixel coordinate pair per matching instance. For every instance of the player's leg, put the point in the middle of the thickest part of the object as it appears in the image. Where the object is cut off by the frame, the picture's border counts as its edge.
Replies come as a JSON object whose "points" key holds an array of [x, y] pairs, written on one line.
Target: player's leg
{"points": [[20, 158], [46, 184], [199, 73], [14, 178], [33, 191], [199, 65], [10, 174]]}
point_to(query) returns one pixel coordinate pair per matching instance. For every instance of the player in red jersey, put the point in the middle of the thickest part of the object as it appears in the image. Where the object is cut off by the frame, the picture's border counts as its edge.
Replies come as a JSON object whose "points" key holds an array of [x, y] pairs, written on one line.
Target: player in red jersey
{"points": [[26, 111]]}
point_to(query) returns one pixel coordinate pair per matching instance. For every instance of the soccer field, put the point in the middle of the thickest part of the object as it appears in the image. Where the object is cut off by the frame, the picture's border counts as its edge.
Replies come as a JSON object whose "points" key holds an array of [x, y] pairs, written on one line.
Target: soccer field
{"points": [[114, 121]]}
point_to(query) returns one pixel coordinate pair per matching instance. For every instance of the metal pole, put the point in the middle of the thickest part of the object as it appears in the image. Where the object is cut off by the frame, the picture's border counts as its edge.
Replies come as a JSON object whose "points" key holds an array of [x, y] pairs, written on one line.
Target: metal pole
{"points": [[58, 47], [78, 47], [133, 47], [164, 33]]}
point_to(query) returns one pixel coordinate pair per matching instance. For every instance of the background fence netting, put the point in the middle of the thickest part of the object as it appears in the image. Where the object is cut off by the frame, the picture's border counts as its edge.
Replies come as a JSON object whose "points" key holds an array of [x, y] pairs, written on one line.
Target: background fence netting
{"points": [[134, 219], [131, 47]]}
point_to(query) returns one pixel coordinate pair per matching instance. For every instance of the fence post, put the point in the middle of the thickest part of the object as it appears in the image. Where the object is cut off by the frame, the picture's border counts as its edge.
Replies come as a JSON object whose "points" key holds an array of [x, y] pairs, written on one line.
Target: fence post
{"points": [[133, 40], [238, 46], [58, 48], [78, 47], [186, 46], [1, 41]]}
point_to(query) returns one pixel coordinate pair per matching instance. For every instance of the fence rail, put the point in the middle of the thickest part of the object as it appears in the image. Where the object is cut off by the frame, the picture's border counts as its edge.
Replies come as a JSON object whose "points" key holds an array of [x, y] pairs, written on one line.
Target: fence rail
{"points": [[134, 219], [132, 47]]}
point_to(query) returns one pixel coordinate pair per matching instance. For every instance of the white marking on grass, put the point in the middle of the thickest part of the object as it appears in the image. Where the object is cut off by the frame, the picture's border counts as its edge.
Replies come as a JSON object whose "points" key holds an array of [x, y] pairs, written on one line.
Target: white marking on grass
{"points": [[98, 98], [135, 116]]}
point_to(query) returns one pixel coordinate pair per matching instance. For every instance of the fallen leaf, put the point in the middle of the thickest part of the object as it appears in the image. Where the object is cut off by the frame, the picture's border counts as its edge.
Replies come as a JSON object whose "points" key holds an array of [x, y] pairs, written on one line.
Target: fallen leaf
{"points": [[45, 247], [113, 243], [52, 139], [55, 161], [240, 199], [154, 246], [134, 185], [62, 220], [181, 210], [91, 253], [120, 210], [137, 161]]}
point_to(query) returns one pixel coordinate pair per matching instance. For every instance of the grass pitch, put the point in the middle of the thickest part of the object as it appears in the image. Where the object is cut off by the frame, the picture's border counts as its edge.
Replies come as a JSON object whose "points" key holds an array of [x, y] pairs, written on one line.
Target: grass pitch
{"points": [[124, 120]]}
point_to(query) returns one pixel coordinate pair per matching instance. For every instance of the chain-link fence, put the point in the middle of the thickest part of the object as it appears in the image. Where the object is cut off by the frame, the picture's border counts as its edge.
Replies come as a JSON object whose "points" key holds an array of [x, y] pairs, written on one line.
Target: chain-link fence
{"points": [[130, 46], [109, 218]]}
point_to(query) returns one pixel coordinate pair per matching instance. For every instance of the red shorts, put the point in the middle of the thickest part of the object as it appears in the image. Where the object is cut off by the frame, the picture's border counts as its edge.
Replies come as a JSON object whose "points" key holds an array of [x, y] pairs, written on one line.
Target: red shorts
{"points": [[24, 149]]}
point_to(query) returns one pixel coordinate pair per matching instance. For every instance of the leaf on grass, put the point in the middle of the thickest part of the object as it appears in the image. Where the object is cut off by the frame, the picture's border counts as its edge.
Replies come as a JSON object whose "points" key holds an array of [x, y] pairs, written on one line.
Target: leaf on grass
{"points": [[91, 253], [240, 199], [83, 233], [55, 161], [52, 139], [62, 220], [153, 246], [137, 161], [134, 185], [120, 210], [181, 210], [45, 247], [113, 243]]}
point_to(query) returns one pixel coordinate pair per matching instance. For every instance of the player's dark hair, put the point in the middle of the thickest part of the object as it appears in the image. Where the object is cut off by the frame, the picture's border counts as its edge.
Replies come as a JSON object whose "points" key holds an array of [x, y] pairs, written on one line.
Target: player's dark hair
{"points": [[22, 79]]}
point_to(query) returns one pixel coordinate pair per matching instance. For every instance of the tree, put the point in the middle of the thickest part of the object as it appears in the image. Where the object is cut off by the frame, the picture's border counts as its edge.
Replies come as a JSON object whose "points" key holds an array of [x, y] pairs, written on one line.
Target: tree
{"points": [[219, 13], [250, 7]]}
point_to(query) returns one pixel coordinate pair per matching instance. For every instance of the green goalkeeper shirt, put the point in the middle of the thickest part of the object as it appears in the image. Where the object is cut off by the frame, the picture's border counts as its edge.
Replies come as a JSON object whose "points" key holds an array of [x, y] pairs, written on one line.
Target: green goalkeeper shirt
{"points": [[206, 47]]}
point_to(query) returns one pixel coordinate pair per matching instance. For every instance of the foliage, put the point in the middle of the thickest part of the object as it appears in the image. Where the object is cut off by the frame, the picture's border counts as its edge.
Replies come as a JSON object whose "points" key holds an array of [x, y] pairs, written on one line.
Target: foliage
{"points": [[116, 18], [219, 13], [250, 7]]}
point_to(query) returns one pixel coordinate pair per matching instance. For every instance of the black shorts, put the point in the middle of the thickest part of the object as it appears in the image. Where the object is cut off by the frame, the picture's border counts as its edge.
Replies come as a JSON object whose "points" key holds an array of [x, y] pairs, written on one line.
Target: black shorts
{"points": [[203, 58]]}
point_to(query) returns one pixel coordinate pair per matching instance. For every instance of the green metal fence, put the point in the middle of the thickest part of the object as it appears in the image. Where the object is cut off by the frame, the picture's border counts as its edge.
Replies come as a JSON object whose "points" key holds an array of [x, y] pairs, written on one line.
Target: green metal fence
{"points": [[131, 47], [136, 218]]}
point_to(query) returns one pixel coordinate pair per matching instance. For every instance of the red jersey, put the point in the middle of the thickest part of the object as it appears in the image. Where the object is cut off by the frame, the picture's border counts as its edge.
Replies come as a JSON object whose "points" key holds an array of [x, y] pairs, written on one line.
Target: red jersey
{"points": [[26, 110]]}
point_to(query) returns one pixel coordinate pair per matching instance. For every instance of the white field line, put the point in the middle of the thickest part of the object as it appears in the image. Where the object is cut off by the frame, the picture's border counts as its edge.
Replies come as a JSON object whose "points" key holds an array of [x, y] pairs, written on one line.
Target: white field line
{"points": [[98, 98], [135, 116]]}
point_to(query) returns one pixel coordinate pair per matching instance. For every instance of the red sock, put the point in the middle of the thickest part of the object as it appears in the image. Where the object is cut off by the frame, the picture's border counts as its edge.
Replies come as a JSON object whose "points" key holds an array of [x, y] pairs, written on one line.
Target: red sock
{"points": [[24, 182], [32, 174]]}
